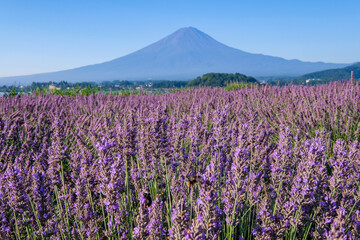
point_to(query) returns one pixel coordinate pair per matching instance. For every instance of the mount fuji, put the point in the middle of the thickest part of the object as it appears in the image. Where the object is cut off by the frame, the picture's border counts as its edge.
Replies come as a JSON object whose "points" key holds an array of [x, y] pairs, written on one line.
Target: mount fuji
{"points": [[183, 55]]}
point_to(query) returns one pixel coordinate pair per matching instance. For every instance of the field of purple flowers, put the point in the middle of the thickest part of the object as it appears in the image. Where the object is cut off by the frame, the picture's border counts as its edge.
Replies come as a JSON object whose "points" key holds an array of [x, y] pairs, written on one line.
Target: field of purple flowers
{"points": [[258, 163]]}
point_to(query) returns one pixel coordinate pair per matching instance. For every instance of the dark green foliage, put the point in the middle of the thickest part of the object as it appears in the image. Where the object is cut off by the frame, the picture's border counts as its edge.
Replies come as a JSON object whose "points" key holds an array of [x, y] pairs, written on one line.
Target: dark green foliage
{"points": [[169, 84], [87, 91], [220, 80], [61, 85], [117, 83], [13, 93]]}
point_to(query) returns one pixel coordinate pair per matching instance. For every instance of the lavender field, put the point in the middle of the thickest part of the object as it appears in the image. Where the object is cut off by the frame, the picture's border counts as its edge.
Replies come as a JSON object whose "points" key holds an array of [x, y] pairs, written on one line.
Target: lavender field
{"points": [[258, 163]]}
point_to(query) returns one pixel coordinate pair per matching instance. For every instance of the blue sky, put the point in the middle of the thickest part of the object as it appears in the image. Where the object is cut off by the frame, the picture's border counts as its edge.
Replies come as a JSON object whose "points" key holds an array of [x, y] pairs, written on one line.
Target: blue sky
{"points": [[43, 35]]}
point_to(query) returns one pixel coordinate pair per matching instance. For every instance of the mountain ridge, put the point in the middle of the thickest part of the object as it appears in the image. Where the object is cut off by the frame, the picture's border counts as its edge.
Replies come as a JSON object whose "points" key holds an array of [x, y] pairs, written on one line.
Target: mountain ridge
{"points": [[182, 55], [330, 74]]}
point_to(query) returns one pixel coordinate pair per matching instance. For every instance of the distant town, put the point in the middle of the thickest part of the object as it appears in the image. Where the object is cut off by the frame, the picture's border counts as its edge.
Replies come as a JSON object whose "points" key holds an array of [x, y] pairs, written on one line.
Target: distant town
{"points": [[164, 86]]}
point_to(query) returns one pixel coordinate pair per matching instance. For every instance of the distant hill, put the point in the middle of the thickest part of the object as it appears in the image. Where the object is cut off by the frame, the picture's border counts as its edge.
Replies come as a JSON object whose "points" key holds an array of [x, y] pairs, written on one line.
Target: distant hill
{"points": [[220, 80], [330, 75], [183, 55]]}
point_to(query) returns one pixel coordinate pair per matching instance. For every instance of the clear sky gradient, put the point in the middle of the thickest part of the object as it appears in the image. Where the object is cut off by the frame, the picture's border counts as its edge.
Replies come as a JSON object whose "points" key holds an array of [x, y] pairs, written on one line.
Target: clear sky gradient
{"points": [[49, 35]]}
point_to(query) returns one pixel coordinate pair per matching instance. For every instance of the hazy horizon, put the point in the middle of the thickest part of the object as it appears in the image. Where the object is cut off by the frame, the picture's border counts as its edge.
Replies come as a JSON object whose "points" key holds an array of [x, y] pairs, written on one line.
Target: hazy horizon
{"points": [[44, 36]]}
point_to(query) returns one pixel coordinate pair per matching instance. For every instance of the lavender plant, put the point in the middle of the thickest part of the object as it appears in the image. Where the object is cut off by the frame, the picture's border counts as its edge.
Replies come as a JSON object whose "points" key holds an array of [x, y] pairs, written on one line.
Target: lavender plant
{"points": [[254, 163]]}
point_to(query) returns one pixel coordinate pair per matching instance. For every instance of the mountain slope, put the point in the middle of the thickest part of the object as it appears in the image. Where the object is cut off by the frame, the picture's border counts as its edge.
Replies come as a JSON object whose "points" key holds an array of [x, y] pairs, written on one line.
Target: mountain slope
{"points": [[331, 74], [183, 55]]}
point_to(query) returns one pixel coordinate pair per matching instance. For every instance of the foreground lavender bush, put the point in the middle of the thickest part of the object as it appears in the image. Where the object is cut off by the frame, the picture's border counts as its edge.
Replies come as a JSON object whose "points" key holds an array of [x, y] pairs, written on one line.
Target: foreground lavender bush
{"points": [[258, 163]]}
